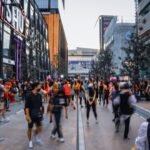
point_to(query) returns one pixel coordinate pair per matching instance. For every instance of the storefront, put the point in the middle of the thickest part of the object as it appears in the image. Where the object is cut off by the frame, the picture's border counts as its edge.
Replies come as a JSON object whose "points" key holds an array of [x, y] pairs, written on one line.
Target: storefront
{"points": [[23, 41]]}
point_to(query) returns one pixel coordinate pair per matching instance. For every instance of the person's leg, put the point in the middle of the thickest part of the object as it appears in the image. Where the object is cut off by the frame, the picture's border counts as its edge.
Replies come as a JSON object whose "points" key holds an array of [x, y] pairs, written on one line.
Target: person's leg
{"points": [[54, 130], [59, 127], [80, 101], [29, 134], [126, 131], [94, 110], [88, 111]]}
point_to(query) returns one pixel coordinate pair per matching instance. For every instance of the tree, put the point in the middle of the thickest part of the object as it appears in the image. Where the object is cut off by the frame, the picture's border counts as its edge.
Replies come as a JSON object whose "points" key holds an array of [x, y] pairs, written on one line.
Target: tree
{"points": [[137, 58], [101, 66]]}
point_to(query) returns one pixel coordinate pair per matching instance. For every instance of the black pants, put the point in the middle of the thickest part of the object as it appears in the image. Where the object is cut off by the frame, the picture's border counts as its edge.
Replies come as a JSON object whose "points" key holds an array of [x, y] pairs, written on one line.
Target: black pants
{"points": [[57, 128], [89, 108], [127, 124], [81, 100], [106, 96], [100, 96]]}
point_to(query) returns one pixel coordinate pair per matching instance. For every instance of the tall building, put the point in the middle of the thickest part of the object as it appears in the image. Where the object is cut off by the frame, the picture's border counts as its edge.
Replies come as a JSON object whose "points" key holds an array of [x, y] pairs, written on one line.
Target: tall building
{"points": [[104, 22], [116, 37], [24, 46], [79, 61], [143, 25], [53, 11], [144, 19]]}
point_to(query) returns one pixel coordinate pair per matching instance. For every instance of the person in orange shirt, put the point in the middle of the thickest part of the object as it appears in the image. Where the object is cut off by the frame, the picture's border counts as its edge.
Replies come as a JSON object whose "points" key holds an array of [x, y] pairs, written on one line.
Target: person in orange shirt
{"points": [[67, 92], [7, 93], [46, 88]]}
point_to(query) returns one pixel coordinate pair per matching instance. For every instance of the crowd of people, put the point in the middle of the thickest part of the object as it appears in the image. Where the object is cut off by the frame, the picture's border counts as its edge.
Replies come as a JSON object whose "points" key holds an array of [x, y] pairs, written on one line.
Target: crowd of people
{"points": [[58, 95]]}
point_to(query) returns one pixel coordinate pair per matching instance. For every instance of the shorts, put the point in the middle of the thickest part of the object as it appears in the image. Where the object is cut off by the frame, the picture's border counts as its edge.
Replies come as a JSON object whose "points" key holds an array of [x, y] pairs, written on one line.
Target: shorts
{"points": [[37, 122], [67, 100]]}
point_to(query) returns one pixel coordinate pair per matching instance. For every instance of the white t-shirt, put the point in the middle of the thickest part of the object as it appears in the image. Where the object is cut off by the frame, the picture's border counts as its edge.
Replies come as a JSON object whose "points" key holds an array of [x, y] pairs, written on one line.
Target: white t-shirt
{"points": [[141, 141]]}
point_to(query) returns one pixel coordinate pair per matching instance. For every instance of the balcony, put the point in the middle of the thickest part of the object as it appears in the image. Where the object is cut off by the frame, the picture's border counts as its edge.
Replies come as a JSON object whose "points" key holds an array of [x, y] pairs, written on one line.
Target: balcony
{"points": [[144, 24], [142, 4]]}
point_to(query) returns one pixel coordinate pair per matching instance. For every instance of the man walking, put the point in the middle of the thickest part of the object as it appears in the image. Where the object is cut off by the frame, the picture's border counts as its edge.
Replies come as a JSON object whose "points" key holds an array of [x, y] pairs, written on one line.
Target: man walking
{"points": [[34, 113]]}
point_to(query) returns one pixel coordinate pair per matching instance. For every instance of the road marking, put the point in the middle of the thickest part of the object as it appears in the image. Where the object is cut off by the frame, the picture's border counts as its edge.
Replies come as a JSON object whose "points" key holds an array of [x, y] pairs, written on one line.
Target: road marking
{"points": [[81, 132]]}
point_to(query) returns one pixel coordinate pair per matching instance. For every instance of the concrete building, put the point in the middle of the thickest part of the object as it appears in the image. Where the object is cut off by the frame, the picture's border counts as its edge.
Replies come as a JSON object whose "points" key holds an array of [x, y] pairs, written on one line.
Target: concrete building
{"points": [[53, 12], [143, 24], [79, 61], [104, 22], [115, 38]]}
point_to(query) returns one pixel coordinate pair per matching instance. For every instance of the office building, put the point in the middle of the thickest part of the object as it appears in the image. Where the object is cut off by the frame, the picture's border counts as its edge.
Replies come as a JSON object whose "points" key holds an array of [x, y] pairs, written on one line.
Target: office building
{"points": [[116, 38], [79, 61], [104, 22], [53, 12]]}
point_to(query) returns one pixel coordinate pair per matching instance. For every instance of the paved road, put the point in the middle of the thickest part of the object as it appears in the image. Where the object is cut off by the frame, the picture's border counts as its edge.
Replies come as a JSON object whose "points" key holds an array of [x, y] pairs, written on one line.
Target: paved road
{"points": [[100, 136]]}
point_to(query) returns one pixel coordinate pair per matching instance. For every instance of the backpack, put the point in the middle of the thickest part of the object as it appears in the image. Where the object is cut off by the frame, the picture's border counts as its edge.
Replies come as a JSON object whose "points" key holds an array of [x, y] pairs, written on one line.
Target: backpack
{"points": [[77, 87], [125, 107]]}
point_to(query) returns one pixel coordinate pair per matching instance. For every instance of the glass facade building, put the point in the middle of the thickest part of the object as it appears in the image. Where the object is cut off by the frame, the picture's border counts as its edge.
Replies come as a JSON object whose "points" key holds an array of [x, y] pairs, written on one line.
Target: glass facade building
{"points": [[24, 50]]}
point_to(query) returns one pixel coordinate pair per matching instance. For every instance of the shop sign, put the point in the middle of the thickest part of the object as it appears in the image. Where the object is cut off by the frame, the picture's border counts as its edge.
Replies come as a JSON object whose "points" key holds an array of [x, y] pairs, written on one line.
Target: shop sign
{"points": [[14, 17], [8, 61]]}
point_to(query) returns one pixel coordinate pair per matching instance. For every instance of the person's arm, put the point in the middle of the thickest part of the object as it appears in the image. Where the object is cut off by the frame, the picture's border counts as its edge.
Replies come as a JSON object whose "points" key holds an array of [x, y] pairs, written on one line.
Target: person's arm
{"points": [[142, 136], [27, 110]]}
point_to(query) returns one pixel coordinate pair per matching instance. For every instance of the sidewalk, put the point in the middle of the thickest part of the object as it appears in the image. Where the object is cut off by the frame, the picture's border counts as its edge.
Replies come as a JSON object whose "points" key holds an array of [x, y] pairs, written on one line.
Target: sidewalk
{"points": [[16, 138], [102, 136]]}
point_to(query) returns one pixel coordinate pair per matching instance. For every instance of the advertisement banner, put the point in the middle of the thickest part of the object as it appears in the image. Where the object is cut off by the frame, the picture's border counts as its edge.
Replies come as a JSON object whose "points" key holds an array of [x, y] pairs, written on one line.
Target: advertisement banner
{"points": [[79, 67]]}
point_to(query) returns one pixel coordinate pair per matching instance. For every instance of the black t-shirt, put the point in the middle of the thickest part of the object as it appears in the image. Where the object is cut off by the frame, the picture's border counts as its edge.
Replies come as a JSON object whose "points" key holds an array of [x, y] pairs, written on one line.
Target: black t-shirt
{"points": [[91, 92], [34, 102]]}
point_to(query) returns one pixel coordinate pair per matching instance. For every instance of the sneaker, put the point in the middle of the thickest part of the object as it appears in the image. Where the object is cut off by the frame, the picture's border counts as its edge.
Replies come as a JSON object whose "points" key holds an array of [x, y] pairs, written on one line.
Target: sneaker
{"points": [[30, 144], [61, 140], [39, 141], [53, 136]]}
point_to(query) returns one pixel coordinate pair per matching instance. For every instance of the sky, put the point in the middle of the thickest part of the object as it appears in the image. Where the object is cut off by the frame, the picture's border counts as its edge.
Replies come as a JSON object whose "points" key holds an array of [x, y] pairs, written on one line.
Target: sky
{"points": [[81, 16]]}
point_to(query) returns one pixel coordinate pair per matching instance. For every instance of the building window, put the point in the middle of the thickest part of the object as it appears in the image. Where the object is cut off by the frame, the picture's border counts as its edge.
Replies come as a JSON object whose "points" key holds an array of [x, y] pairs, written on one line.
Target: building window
{"points": [[42, 4], [145, 10], [6, 44], [26, 7]]}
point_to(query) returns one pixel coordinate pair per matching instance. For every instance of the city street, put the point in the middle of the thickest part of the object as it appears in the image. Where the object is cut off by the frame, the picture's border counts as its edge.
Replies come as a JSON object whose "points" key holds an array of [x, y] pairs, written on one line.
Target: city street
{"points": [[99, 136]]}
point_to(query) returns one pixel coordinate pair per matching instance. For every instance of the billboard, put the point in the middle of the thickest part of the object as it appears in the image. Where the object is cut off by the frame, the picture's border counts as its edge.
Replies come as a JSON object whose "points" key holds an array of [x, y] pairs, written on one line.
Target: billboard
{"points": [[79, 67]]}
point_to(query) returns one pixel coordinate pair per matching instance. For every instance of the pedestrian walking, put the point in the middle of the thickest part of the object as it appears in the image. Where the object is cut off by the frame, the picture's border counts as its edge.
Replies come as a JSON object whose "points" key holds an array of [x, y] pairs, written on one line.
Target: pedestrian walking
{"points": [[101, 91], [106, 94], [82, 94], [125, 102], [142, 141], [34, 113], [58, 102], [91, 101]]}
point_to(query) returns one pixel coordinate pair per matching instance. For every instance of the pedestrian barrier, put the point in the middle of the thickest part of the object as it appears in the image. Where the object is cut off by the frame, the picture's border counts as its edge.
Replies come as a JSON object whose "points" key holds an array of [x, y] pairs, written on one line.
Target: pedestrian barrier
{"points": [[142, 112]]}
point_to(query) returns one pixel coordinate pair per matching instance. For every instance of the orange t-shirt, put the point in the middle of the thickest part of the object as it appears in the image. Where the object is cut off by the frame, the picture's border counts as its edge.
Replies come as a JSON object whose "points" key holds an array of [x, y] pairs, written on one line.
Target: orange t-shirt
{"points": [[67, 89]]}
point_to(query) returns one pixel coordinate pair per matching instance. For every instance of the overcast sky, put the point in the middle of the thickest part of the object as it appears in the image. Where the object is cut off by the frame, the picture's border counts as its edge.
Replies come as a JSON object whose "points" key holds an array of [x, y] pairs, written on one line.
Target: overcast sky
{"points": [[81, 16]]}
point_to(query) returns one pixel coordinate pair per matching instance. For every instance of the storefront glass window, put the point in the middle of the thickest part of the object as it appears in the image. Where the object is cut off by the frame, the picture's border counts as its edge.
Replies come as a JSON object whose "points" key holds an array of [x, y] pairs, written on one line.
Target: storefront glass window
{"points": [[6, 44], [26, 7], [31, 14]]}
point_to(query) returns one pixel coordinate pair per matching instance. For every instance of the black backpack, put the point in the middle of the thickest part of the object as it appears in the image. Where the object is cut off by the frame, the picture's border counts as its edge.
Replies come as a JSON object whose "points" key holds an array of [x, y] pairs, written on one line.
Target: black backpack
{"points": [[125, 106]]}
